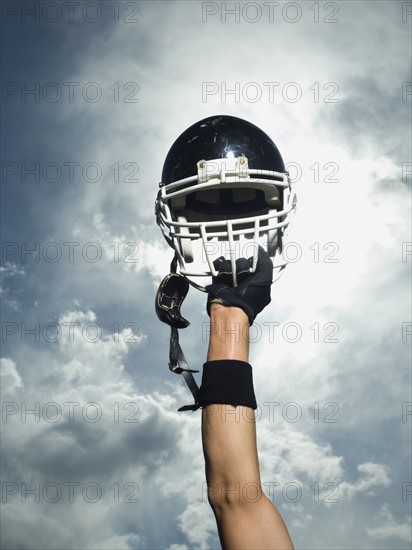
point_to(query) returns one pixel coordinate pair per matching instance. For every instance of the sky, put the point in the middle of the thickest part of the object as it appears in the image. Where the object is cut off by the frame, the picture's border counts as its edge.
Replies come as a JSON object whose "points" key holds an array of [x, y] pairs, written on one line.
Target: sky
{"points": [[94, 454]]}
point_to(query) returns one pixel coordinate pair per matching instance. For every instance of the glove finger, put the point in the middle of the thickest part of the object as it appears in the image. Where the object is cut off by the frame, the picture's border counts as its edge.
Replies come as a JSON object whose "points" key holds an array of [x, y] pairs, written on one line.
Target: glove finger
{"points": [[243, 265], [263, 274], [225, 267], [264, 266], [225, 274], [218, 262]]}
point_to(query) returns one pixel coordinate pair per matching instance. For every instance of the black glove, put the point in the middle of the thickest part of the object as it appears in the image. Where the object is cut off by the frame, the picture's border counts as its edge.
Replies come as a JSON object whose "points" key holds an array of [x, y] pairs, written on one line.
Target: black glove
{"points": [[252, 294]]}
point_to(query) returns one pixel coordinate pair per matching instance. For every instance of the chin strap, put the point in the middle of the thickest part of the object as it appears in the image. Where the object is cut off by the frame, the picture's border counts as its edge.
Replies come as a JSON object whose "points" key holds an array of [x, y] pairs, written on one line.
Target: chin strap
{"points": [[170, 295], [178, 365]]}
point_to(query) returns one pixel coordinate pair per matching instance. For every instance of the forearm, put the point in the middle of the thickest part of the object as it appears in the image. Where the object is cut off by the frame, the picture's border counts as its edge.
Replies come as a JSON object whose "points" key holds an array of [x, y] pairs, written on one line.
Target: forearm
{"points": [[229, 334]]}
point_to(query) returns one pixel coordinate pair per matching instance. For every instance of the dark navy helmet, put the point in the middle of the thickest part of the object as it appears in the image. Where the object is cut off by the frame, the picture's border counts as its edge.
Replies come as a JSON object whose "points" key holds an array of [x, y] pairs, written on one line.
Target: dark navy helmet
{"points": [[223, 180]]}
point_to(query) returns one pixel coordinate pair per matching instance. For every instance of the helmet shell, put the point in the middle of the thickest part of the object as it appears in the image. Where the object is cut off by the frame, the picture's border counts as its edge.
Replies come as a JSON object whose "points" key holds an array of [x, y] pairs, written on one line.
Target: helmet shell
{"points": [[219, 137]]}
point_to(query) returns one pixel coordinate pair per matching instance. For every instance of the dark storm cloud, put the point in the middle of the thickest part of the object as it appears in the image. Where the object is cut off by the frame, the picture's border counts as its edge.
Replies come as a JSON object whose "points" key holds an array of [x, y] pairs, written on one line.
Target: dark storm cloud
{"points": [[372, 118], [84, 450]]}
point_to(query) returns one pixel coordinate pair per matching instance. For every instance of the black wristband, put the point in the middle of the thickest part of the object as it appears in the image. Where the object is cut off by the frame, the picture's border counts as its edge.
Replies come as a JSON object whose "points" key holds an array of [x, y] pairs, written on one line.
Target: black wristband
{"points": [[227, 381]]}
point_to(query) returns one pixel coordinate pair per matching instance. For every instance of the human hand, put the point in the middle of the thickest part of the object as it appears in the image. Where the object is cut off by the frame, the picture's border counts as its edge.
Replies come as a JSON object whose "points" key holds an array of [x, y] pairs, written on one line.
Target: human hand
{"points": [[252, 294]]}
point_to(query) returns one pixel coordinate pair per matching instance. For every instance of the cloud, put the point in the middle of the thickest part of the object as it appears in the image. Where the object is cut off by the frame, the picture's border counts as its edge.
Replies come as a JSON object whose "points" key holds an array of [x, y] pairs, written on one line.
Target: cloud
{"points": [[89, 357], [89, 433], [10, 377], [373, 476], [389, 527]]}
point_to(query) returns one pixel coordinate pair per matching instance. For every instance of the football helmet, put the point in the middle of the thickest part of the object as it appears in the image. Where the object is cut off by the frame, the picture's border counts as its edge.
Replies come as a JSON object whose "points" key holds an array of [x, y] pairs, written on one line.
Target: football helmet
{"points": [[224, 191]]}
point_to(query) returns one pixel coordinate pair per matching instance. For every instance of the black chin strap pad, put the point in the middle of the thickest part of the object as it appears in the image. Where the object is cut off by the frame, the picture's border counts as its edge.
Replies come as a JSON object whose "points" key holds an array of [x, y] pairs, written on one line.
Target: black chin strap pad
{"points": [[227, 381], [169, 297]]}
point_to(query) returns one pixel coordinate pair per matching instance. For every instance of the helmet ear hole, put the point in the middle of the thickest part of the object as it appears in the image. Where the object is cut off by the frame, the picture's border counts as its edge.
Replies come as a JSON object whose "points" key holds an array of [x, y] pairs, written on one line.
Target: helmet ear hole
{"points": [[185, 244]]}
